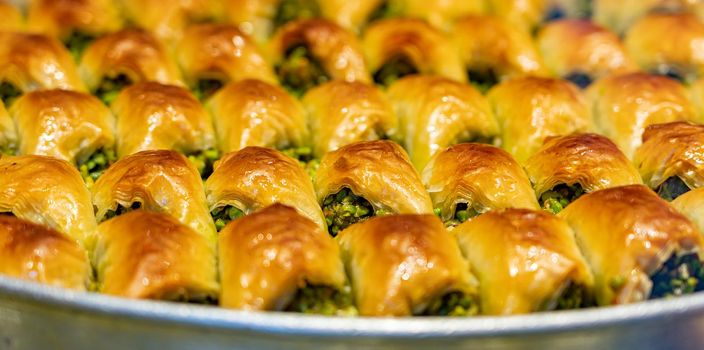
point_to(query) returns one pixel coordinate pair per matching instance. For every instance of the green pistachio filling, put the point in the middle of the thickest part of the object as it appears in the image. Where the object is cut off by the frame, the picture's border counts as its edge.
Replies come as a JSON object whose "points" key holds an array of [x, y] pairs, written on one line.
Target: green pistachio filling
{"points": [[77, 44], [388, 9], [560, 197], [672, 188], [344, 208], [204, 160], [679, 275], [93, 167], [575, 296], [323, 300], [300, 71], [120, 210], [304, 156], [206, 87], [7, 150], [9, 92], [394, 69], [453, 304], [109, 88], [462, 214], [223, 215], [290, 10], [483, 79]]}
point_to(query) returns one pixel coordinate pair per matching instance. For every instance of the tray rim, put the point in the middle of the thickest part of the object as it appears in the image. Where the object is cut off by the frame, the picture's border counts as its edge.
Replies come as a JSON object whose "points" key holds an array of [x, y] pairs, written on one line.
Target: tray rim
{"points": [[288, 324]]}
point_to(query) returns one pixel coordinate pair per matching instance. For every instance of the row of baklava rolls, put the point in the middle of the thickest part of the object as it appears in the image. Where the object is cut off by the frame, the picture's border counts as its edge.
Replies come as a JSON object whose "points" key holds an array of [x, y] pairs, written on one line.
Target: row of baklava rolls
{"points": [[148, 232], [481, 49]]}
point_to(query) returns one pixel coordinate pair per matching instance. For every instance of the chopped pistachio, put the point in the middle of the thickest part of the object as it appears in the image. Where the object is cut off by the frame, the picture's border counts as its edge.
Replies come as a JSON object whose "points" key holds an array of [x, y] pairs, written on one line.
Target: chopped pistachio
{"points": [[344, 208], [223, 215], [300, 71], [453, 304], [323, 300]]}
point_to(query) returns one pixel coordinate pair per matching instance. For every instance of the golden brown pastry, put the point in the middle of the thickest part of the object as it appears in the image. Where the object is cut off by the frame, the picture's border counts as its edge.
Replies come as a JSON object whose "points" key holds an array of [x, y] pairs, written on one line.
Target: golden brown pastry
{"points": [[168, 21], [256, 177], [668, 44], [307, 53], [402, 265], [439, 13], [261, 18], [8, 134], [671, 158], [581, 51], [524, 15], [254, 113], [492, 50], [75, 22], [624, 105], [211, 55], [531, 109], [49, 192], [129, 56], [526, 261], [162, 181], [400, 46], [276, 259], [468, 179], [354, 15], [11, 17], [636, 244], [69, 125], [37, 253], [151, 115], [31, 62], [566, 167], [340, 113], [620, 15], [150, 255], [437, 112], [691, 204], [365, 179]]}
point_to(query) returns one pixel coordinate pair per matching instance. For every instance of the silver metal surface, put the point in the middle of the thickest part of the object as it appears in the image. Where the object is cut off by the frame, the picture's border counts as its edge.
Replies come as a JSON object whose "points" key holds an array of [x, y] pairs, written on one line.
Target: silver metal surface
{"points": [[33, 316]]}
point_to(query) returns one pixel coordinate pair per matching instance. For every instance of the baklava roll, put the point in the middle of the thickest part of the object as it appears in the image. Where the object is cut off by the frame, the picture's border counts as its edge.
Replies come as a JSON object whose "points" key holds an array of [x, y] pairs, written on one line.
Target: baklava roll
{"points": [[256, 177], [254, 113], [154, 116], [129, 56], [297, 267], [168, 23], [148, 255], [340, 113], [525, 261], [49, 192], [37, 253], [11, 17], [32, 62], [670, 160], [524, 15], [581, 51], [491, 50], [261, 18], [211, 55], [307, 53], [531, 109], [401, 46], [403, 265], [469, 179], [668, 44], [365, 179], [691, 204], [69, 125], [75, 23], [566, 167], [436, 112], [162, 181], [636, 244], [624, 105], [8, 133]]}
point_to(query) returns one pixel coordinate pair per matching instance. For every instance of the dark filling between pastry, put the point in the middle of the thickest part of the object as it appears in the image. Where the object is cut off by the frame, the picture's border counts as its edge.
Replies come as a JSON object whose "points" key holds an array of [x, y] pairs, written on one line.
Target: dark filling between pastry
{"points": [[109, 88], [290, 10], [580, 79], [387, 9], [322, 300], [575, 296], [672, 188], [304, 156], [556, 12], [223, 215], [121, 210], [300, 71], [482, 79], [560, 197], [394, 69], [453, 304], [205, 88], [9, 92], [204, 160], [93, 167], [679, 275], [344, 208], [462, 214], [670, 72], [77, 43]]}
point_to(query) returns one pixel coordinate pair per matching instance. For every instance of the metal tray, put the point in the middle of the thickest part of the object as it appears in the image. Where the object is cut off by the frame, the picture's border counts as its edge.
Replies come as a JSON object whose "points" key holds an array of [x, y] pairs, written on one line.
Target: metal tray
{"points": [[34, 316]]}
